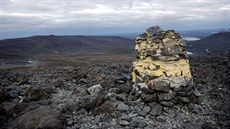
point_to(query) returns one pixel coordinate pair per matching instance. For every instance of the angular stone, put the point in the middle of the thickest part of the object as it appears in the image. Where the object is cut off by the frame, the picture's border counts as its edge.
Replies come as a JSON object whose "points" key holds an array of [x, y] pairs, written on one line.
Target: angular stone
{"points": [[106, 107], [196, 93], [161, 118], [124, 88], [4, 95], [145, 110], [123, 122], [159, 86], [183, 99], [122, 107], [91, 101], [95, 89], [82, 80], [156, 108], [59, 84], [121, 80], [166, 96], [148, 97], [177, 82], [153, 30], [166, 103], [138, 122], [36, 93], [193, 125], [125, 117]]}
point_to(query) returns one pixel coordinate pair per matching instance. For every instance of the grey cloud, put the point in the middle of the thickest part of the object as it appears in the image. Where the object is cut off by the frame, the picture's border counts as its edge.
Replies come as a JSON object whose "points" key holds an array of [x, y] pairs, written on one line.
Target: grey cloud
{"points": [[25, 14]]}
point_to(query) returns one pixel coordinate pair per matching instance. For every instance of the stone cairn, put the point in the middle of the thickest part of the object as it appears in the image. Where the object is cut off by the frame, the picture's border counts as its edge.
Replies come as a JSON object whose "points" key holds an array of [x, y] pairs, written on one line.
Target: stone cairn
{"points": [[161, 71]]}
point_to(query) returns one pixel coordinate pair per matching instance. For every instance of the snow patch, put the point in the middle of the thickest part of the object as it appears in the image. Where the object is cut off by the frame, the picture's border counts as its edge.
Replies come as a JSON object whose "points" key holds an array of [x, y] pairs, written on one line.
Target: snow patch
{"points": [[54, 51], [191, 38], [189, 53]]}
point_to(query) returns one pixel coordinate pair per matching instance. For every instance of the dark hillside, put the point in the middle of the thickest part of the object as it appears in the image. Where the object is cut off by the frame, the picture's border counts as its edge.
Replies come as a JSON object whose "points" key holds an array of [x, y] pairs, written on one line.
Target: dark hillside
{"points": [[66, 45], [219, 42]]}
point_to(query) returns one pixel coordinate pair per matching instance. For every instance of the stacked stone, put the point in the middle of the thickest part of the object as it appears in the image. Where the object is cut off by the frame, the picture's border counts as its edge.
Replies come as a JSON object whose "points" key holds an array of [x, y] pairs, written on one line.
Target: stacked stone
{"points": [[162, 67]]}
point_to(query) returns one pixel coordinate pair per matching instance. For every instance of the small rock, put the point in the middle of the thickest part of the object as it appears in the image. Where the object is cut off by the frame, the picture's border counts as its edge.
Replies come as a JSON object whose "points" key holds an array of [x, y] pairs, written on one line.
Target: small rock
{"points": [[125, 88], [91, 101], [159, 86], [4, 95], [36, 94], [196, 93], [148, 127], [182, 93], [82, 80], [69, 122], [132, 115], [153, 30], [166, 103], [161, 118], [120, 97], [183, 99], [121, 80], [156, 108], [122, 107], [97, 119], [123, 122], [106, 107], [59, 84], [138, 122], [148, 97], [145, 110], [95, 89], [144, 88], [125, 117], [193, 125], [166, 96]]}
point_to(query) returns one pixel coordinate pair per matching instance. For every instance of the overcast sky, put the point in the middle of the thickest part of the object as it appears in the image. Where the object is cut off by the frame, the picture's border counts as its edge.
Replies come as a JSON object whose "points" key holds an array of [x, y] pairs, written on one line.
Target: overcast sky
{"points": [[63, 17]]}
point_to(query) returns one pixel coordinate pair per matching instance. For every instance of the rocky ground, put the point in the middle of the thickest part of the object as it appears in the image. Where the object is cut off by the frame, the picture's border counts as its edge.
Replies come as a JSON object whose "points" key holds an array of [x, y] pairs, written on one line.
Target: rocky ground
{"points": [[100, 95]]}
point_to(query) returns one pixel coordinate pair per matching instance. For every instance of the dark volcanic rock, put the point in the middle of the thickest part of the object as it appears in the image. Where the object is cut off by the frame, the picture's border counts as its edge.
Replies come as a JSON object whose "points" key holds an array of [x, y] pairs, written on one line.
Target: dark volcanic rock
{"points": [[159, 86], [165, 96], [35, 94], [193, 125], [138, 122], [153, 30], [4, 95], [183, 99], [59, 84], [148, 97], [40, 118], [125, 88], [13, 108], [106, 107], [156, 108], [91, 101], [3, 117]]}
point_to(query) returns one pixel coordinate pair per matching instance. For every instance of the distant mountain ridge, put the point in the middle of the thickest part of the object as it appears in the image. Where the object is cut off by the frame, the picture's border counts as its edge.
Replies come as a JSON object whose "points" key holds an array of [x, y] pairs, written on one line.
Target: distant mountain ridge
{"points": [[73, 45], [218, 42], [66, 45]]}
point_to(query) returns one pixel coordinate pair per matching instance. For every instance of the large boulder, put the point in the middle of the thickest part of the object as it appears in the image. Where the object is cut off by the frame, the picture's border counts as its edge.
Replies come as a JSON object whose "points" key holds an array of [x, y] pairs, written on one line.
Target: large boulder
{"points": [[40, 118]]}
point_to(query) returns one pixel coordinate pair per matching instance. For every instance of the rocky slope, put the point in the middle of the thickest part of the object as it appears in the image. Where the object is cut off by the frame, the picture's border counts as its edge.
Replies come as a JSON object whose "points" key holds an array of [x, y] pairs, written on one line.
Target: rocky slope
{"points": [[101, 96]]}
